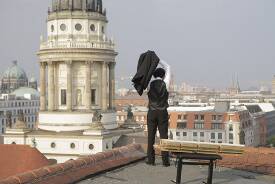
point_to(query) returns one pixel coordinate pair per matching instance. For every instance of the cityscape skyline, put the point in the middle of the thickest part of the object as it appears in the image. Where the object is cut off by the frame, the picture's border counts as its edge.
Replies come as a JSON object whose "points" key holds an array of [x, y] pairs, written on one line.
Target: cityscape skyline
{"points": [[208, 35]]}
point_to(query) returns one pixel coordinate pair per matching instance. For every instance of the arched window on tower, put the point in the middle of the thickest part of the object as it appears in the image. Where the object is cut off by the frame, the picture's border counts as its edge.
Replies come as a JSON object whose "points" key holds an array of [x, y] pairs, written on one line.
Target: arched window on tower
{"points": [[77, 4]]}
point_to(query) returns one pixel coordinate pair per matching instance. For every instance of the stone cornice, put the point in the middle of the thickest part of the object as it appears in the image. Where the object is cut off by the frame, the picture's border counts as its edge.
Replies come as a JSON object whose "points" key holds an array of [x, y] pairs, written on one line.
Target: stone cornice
{"points": [[76, 53]]}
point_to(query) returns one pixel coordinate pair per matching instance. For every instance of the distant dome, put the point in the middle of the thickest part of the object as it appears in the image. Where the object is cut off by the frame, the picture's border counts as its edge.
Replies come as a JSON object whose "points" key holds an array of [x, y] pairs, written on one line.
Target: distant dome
{"points": [[21, 92], [14, 72]]}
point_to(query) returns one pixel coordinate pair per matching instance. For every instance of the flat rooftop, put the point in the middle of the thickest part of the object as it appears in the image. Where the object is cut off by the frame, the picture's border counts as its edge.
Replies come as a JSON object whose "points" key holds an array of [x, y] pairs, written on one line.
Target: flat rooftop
{"points": [[140, 173]]}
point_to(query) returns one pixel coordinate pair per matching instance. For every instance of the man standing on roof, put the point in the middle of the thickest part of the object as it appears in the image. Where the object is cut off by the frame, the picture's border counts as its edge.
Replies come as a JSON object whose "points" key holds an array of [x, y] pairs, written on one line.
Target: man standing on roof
{"points": [[157, 117]]}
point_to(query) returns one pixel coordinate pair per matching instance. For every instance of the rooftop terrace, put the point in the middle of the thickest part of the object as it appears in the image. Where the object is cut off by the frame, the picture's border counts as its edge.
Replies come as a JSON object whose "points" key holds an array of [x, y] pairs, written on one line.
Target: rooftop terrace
{"points": [[140, 173]]}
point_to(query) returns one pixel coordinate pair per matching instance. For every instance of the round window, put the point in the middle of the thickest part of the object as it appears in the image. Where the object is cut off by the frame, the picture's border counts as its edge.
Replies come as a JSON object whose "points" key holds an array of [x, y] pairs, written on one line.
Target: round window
{"points": [[91, 147], [52, 28], [78, 27], [73, 145], [92, 27], [63, 27], [53, 145]]}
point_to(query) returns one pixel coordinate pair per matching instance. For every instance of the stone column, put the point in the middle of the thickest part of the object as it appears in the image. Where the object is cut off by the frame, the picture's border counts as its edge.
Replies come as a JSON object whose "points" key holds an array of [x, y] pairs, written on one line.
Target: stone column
{"points": [[88, 100], [69, 85], [42, 86], [111, 85], [104, 87], [50, 86]]}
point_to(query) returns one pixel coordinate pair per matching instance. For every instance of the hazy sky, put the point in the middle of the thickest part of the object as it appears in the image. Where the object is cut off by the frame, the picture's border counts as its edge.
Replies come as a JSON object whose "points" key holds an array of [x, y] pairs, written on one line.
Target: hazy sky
{"points": [[204, 41]]}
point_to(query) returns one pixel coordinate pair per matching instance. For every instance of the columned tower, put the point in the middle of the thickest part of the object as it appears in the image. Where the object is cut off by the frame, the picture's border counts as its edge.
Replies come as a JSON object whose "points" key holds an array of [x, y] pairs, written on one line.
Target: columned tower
{"points": [[77, 67]]}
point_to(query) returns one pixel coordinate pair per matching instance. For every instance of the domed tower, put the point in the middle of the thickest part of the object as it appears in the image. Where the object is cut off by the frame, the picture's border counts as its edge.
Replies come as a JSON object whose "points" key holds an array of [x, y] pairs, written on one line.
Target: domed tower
{"points": [[77, 67], [13, 78]]}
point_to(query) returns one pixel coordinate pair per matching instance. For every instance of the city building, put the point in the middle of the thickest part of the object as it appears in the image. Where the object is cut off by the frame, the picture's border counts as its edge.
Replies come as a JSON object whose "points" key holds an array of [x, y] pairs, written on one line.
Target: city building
{"points": [[216, 124], [131, 100], [77, 85], [23, 101]]}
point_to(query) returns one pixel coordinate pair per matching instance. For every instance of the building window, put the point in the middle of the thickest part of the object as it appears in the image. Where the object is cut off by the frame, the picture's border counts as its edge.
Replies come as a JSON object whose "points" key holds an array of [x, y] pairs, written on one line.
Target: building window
{"points": [[202, 117], [198, 125], [195, 134], [63, 27], [91, 146], [177, 133], [63, 97], [219, 117], [73, 145], [53, 145], [93, 97], [196, 117], [230, 127], [201, 134], [185, 117], [92, 27], [181, 125], [184, 134], [13, 143], [212, 135], [216, 126], [230, 136], [179, 117], [219, 135], [103, 29], [214, 117], [78, 27], [52, 28], [107, 146]]}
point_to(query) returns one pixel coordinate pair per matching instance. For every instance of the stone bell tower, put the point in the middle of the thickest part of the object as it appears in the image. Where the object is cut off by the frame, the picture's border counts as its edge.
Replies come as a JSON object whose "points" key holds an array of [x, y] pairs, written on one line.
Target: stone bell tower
{"points": [[77, 67]]}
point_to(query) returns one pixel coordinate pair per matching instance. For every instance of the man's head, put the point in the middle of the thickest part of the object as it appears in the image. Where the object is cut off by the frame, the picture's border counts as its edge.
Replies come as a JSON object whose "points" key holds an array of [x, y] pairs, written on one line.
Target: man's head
{"points": [[159, 72]]}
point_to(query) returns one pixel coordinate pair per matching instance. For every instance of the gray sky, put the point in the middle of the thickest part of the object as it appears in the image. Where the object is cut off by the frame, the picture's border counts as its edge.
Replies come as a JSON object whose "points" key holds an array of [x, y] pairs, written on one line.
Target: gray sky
{"points": [[204, 41]]}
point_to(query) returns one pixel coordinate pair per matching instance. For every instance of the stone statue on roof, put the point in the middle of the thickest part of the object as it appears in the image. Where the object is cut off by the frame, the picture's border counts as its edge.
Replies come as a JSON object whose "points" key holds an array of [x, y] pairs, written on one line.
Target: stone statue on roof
{"points": [[130, 115], [20, 123]]}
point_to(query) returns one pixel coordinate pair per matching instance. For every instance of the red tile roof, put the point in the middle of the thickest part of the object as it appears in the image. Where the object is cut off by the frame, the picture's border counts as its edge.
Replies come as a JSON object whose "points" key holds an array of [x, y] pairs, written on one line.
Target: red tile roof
{"points": [[258, 160], [76, 170], [18, 159]]}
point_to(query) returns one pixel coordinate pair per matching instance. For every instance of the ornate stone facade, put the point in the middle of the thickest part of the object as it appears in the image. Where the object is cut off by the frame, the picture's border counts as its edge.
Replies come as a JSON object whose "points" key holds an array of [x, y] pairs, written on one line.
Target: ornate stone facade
{"points": [[77, 61]]}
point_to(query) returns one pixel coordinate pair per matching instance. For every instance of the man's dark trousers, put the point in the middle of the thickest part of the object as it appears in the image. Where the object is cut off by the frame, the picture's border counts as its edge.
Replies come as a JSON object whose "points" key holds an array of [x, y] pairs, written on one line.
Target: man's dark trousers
{"points": [[157, 119]]}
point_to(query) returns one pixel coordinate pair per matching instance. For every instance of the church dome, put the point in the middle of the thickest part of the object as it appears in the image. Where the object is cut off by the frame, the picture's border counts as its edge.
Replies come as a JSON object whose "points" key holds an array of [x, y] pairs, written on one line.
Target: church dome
{"points": [[78, 5], [14, 72]]}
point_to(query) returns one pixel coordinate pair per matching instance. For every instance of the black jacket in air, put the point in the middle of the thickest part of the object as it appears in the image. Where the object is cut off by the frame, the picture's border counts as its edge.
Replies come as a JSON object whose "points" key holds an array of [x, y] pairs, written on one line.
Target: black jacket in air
{"points": [[158, 95], [147, 64]]}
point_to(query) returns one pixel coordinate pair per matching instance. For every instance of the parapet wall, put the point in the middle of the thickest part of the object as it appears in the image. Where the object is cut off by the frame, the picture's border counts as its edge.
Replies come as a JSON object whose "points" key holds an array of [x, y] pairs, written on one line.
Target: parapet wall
{"points": [[76, 170]]}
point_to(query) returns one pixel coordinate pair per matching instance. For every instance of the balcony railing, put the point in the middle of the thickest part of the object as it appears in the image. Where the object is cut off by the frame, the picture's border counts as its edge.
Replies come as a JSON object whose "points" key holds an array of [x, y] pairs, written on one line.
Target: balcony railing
{"points": [[83, 45]]}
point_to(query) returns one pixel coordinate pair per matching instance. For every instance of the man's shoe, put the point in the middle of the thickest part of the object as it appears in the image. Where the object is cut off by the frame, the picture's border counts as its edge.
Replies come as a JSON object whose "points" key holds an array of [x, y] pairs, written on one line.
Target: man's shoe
{"points": [[150, 163]]}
